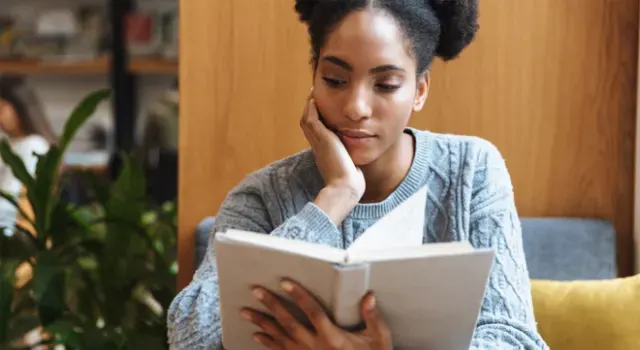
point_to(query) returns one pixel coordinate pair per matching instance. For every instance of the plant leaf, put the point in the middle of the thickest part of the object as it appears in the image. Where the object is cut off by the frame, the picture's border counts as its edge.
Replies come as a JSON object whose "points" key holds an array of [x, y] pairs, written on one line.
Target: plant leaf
{"points": [[6, 298], [12, 199], [49, 287], [20, 246], [146, 341], [16, 164], [42, 194], [64, 225], [80, 115]]}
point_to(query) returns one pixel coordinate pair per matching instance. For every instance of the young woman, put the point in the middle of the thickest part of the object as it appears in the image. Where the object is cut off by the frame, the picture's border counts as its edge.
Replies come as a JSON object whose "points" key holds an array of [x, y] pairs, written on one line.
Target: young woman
{"points": [[370, 74], [25, 126]]}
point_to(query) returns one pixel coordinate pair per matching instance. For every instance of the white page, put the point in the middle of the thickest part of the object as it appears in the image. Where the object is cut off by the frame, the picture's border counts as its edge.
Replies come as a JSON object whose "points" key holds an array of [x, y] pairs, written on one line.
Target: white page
{"points": [[412, 252], [403, 226], [432, 303], [242, 265], [312, 250]]}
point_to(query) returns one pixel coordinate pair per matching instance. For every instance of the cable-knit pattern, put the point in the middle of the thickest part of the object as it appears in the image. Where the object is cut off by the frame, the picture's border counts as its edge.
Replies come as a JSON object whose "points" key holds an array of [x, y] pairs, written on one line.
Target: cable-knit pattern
{"points": [[470, 197]]}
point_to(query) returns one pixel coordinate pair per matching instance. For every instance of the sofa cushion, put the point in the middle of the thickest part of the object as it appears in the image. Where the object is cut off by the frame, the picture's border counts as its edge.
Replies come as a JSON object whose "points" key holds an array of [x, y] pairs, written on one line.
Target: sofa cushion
{"points": [[569, 248], [588, 314]]}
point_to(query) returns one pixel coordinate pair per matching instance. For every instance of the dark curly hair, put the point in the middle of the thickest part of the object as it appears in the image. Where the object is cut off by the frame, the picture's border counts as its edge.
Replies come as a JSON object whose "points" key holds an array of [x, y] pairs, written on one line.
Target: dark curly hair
{"points": [[440, 28]]}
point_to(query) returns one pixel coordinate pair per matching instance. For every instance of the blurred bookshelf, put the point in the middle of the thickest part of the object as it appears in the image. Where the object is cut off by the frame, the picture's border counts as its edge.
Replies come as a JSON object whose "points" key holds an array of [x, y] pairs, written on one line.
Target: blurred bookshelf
{"points": [[101, 66], [36, 67], [149, 66], [124, 41]]}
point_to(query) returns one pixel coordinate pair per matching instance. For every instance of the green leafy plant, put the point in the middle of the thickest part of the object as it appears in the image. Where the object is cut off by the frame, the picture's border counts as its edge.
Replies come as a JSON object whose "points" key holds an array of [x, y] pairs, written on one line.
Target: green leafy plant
{"points": [[103, 274]]}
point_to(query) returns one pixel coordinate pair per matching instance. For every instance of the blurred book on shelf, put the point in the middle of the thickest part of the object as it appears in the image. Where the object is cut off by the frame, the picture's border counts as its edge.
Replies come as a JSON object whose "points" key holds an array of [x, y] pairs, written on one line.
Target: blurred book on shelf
{"points": [[56, 34], [153, 33], [7, 35]]}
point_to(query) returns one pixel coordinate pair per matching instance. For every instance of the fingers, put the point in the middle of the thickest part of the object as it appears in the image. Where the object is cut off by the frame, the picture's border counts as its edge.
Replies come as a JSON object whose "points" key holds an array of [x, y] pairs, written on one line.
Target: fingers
{"points": [[312, 111], [273, 336], [314, 311], [310, 119], [291, 328], [375, 324], [267, 341]]}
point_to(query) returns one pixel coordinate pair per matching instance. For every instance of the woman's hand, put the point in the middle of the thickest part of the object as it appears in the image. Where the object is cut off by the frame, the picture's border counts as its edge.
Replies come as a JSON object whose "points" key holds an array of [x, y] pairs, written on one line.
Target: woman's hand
{"points": [[282, 331], [344, 182]]}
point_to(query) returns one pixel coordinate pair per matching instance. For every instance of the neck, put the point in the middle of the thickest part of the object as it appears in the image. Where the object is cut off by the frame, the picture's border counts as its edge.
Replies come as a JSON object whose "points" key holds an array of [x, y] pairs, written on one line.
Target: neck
{"points": [[384, 175]]}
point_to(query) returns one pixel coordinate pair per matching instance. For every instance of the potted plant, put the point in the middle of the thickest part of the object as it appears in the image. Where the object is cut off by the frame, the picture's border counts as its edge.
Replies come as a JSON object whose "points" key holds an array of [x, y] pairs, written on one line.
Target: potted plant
{"points": [[102, 274]]}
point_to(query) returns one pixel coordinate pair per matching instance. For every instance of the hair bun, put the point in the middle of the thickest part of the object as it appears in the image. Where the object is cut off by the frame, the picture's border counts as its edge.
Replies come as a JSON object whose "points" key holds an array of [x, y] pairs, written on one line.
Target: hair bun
{"points": [[459, 24], [305, 8]]}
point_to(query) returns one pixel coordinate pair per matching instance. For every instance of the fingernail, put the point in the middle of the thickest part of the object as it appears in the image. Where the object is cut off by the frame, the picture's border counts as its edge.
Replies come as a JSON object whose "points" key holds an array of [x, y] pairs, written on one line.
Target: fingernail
{"points": [[246, 315], [259, 294], [257, 339], [371, 304], [287, 286]]}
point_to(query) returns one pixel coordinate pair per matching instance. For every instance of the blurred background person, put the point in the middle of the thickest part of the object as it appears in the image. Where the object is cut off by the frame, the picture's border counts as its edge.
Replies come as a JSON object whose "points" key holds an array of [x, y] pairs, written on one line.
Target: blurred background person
{"points": [[28, 132]]}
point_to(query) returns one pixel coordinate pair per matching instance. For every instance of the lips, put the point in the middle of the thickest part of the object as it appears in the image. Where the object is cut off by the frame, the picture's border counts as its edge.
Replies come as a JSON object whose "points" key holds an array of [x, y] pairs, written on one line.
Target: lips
{"points": [[356, 134]]}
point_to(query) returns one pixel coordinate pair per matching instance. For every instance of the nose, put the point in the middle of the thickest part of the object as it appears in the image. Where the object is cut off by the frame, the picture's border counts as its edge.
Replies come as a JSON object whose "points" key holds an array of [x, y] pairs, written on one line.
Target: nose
{"points": [[358, 104]]}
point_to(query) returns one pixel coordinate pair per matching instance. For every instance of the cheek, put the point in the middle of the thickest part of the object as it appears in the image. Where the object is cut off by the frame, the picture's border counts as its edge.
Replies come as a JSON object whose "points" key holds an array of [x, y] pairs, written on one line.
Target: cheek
{"points": [[6, 119], [328, 109], [395, 111]]}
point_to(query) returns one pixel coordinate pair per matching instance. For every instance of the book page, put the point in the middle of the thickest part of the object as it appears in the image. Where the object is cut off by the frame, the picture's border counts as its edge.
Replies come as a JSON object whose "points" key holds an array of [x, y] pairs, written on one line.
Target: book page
{"points": [[242, 265], [432, 302], [403, 226], [312, 250], [412, 252]]}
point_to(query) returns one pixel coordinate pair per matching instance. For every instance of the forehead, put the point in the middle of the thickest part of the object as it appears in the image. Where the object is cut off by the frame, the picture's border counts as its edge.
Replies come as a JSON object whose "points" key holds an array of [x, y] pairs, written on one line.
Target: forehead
{"points": [[368, 38]]}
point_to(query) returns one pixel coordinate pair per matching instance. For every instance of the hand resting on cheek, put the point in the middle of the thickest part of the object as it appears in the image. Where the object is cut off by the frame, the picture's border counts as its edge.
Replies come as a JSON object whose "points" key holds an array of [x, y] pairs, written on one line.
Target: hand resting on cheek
{"points": [[344, 182]]}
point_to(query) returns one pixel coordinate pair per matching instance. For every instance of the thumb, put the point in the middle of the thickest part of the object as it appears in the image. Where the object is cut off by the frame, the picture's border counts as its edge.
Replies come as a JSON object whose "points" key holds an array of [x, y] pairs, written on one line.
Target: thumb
{"points": [[375, 325]]}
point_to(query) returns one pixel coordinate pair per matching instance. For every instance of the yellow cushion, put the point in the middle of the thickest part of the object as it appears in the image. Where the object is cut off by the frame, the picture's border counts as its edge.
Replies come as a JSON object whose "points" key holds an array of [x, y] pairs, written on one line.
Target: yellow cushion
{"points": [[585, 315]]}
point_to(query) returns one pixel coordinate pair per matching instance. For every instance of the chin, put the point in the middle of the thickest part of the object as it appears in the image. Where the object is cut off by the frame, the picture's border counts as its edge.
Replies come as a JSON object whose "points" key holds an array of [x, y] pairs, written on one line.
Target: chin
{"points": [[361, 159]]}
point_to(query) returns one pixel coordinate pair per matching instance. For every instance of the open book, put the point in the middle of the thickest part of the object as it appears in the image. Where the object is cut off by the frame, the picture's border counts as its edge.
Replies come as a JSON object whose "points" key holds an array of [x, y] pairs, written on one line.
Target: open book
{"points": [[429, 294]]}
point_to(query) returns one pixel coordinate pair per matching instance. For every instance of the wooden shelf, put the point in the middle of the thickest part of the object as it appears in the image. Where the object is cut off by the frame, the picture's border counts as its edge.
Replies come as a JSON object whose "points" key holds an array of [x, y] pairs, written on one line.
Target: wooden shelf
{"points": [[141, 66], [153, 66], [34, 67]]}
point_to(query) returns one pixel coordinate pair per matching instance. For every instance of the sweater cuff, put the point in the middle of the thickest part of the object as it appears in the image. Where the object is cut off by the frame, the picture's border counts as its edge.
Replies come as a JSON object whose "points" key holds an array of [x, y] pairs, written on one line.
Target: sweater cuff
{"points": [[316, 219]]}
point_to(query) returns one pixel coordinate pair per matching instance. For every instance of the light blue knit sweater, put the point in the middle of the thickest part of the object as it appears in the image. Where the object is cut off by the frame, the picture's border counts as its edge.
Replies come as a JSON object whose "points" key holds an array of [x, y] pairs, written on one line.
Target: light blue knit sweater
{"points": [[470, 198]]}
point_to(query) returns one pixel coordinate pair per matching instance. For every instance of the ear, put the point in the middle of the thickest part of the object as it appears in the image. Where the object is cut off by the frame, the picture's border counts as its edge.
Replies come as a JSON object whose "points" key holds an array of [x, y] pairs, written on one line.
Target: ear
{"points": [[422, 91]]}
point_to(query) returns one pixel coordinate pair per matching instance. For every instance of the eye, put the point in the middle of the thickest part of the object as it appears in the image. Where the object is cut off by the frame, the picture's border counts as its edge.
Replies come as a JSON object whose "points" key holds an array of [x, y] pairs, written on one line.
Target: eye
{"points": [[387, 88], [333, 82]]}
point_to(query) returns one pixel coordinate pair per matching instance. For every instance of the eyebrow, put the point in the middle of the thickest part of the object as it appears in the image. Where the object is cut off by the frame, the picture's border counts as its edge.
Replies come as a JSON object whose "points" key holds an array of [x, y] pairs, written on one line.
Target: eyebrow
{"points": [[343, 64]]}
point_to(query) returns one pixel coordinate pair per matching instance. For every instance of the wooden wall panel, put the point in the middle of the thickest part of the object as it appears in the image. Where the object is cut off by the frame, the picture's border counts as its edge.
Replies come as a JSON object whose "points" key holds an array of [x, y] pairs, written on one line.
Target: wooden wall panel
{"points": [[551, 83]]}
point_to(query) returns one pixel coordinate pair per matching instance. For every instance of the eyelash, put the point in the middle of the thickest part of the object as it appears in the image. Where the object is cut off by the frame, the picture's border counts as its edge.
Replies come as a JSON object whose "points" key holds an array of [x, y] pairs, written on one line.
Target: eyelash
{"points": [[385, 88]]}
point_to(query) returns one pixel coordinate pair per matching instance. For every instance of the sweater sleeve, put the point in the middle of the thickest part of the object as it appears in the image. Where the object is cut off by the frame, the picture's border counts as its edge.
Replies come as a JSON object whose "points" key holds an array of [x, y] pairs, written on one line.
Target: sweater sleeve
{"points": [[506, 318], [194, 315]]}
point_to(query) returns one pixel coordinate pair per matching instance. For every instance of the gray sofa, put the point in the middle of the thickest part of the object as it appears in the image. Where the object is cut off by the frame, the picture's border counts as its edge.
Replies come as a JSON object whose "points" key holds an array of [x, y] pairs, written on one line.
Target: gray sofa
{"points": [[555, 248]]}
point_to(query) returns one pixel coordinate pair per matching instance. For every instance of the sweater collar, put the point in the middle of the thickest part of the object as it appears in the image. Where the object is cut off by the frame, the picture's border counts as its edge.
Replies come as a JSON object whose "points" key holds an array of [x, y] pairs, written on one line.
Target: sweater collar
{"points": [[414, 180]]}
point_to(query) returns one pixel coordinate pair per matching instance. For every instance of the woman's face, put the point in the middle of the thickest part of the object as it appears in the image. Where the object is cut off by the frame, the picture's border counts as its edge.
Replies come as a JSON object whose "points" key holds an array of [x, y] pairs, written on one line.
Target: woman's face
{"points": [[9, 121], [365, 84]]}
